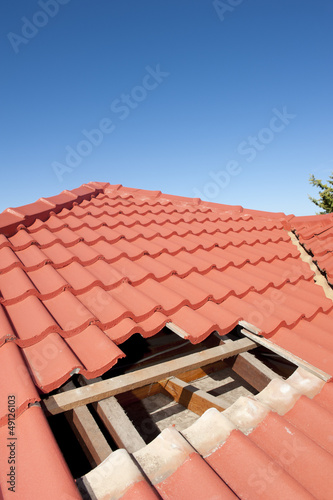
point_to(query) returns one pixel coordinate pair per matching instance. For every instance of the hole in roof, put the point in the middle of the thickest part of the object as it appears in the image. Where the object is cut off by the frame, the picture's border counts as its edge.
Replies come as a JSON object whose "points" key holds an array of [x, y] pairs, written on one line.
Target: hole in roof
{"points": [[152, 408], [162, 346]]}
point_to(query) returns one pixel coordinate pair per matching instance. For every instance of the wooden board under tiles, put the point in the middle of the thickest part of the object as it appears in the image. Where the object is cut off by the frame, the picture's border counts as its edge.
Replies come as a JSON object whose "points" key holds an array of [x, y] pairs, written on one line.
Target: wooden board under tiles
{"points": [[251, 369], [191, 397], [111, 387]]}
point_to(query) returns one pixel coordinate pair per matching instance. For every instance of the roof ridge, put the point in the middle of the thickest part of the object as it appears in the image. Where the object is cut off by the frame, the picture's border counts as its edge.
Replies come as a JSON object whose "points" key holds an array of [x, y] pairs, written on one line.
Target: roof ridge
{"points": [[26, 215]]}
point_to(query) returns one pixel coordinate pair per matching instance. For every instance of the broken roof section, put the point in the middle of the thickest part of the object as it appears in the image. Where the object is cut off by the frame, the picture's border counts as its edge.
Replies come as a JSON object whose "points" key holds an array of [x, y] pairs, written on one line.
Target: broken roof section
{"points": [[83, 271]]}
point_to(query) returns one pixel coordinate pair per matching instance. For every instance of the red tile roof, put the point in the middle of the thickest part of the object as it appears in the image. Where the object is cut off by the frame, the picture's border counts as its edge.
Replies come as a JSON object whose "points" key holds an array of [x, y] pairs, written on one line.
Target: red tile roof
{"points": [[82, 271]]}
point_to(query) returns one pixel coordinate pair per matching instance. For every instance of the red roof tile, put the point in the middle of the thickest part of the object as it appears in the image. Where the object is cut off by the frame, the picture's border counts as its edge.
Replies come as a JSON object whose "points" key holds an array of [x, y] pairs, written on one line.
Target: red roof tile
{"points": [[46, 475], [263, 454], [315, 475], [12, 362], [256, 479]]}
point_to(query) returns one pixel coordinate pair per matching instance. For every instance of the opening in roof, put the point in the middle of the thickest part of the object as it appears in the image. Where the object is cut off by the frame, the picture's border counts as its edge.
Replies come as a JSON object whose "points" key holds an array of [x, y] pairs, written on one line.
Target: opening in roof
{"points": [[139, 411]]}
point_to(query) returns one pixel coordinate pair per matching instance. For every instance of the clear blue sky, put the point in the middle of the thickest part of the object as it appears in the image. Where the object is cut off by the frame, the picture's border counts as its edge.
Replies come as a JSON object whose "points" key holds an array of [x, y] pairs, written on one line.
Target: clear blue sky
{"points": [[227, 100]]}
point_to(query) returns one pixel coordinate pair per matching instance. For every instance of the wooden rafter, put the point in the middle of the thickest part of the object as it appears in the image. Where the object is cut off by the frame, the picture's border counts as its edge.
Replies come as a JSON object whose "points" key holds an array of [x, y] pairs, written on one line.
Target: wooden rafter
{"points": [[117, 423], [87, 432], [191, 375]]}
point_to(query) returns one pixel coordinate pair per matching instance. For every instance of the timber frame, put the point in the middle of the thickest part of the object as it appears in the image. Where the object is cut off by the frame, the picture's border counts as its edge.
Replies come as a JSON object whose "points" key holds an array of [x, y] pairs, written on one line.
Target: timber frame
{"points": [[103, 389], [107, 398]]}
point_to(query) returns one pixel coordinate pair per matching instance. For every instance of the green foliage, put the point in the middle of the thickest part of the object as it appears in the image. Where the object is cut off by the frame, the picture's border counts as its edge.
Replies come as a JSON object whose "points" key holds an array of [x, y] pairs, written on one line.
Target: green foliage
{"points": [[325, 200]]}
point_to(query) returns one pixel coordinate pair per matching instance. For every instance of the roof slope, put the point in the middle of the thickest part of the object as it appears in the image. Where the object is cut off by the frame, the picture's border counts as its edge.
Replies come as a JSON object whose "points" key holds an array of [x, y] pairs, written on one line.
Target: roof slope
{"points": [[82, 271]]}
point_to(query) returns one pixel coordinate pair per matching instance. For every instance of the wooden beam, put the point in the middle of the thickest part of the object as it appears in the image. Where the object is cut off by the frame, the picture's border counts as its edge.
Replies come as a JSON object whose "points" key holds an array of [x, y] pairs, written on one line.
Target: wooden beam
{"points": [[191, 397], [130, 397], [117, 423], [252, 370], [190, 375], [287, 355], [89, 435], [100, 390]]}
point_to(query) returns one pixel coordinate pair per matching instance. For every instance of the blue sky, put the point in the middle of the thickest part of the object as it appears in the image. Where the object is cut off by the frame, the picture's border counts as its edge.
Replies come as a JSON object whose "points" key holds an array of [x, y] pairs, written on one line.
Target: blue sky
{"points": [[228, 100]]}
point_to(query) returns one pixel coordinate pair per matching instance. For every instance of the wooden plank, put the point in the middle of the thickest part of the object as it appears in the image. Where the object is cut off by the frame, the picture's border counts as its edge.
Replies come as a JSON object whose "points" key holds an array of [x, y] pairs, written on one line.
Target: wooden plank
{"points": [[287, 355], [130, 397], [191, 397], [100, 390], [87, 432], [248, 367], [191, 375], [251, 328], [177, 330], [117, 423], [252, 370]]}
